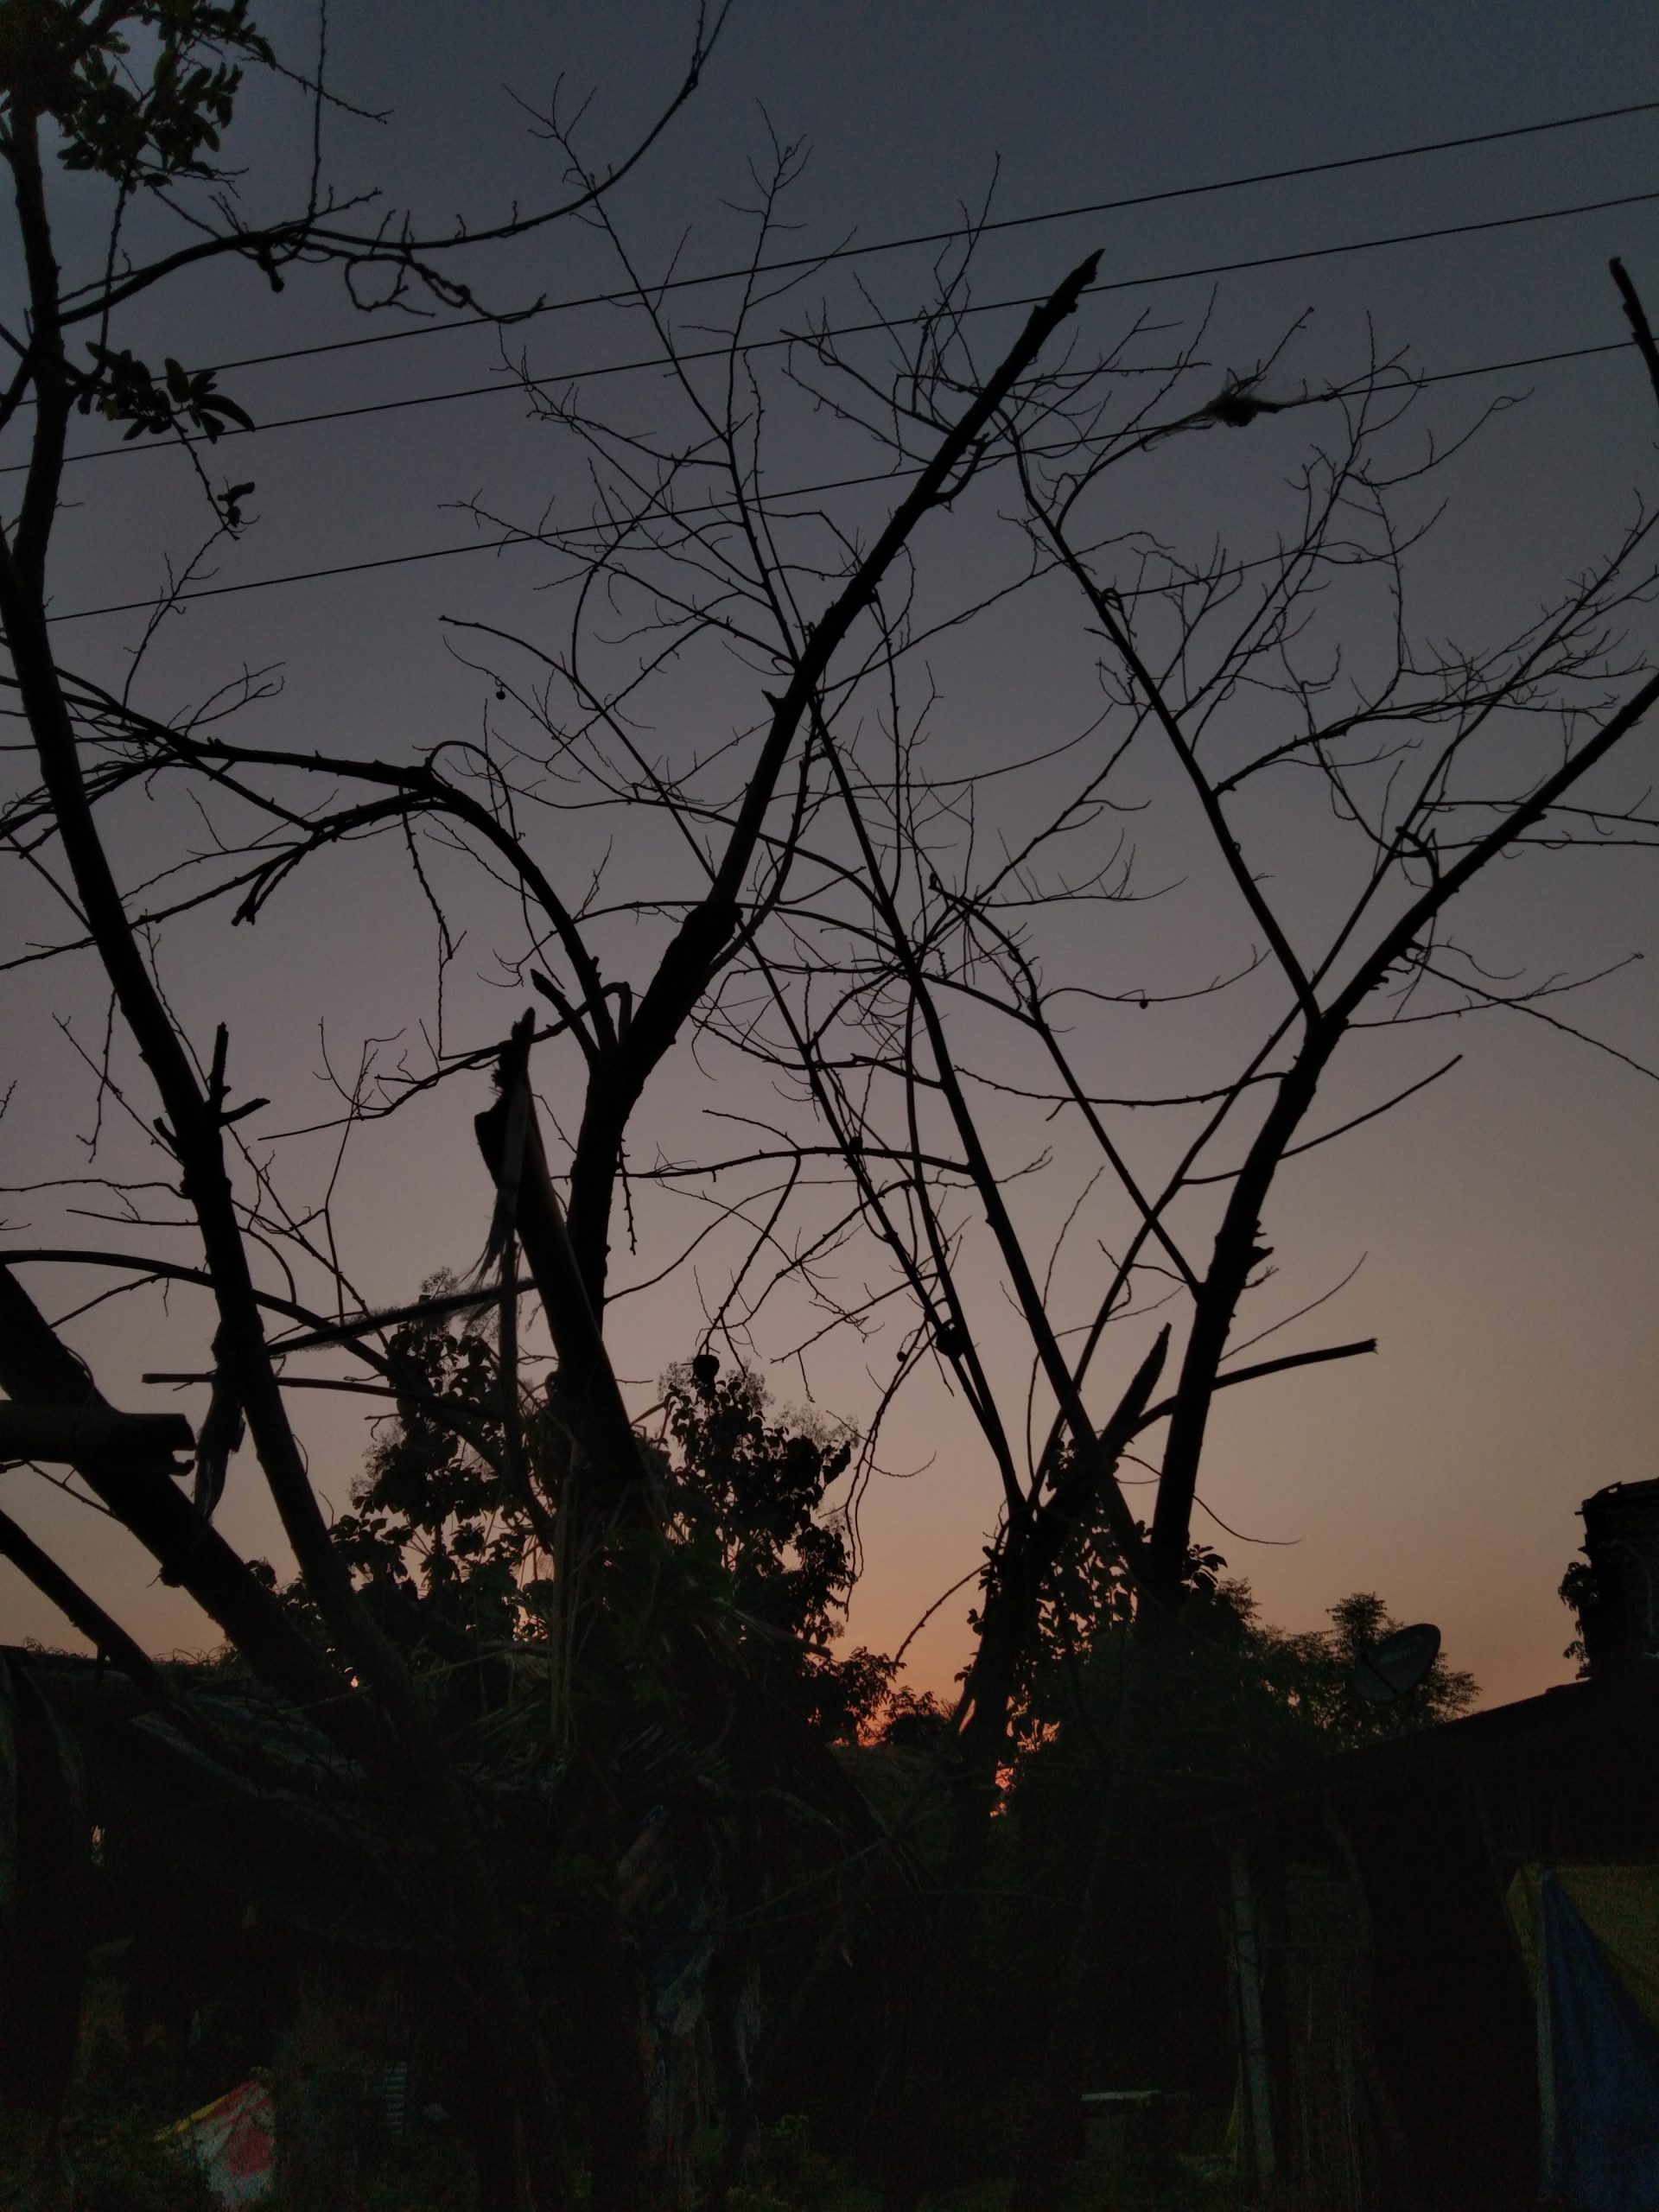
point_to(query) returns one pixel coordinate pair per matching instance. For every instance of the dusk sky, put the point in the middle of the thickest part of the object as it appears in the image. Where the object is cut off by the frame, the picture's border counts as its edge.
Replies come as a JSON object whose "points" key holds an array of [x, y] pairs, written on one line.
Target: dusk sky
{"points": [[1500, 1230]]}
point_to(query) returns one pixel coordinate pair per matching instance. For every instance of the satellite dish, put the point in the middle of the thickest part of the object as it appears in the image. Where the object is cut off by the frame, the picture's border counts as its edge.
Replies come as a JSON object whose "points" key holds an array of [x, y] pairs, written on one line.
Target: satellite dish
{"points": [[1384, 1671]]}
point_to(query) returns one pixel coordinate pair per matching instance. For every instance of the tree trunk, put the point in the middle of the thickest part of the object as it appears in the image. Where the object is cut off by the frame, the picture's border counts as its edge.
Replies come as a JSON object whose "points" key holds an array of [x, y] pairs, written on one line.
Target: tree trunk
{"points": [[1101, 1946], [926, 2087]]}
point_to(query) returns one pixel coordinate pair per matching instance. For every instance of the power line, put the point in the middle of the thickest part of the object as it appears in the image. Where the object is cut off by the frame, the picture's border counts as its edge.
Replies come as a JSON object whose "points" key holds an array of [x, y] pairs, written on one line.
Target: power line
{"points": [[656, 362], [1172, 193], [799, 492]]}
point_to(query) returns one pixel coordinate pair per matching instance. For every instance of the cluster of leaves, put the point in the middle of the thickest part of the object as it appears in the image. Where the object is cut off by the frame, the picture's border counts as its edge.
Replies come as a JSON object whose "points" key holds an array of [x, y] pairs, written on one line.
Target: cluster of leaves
{"points": [[69, 62], [748, 1496], [125, 389], [1086, 1593], [1086, 1610], [1312, 1674], [1582, 1595], [1244, 1696], [445, 1551]]}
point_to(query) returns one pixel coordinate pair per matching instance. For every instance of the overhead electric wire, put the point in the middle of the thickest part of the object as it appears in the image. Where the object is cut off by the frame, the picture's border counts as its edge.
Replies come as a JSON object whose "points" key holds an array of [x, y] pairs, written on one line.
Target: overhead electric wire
{"points": [[799, 492], [747, 347], [1123, 205]]}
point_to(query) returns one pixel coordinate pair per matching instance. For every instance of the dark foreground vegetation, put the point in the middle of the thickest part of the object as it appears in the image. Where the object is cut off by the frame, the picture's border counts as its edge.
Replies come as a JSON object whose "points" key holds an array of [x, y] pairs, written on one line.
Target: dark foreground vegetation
{"points": [[246, 1914]]}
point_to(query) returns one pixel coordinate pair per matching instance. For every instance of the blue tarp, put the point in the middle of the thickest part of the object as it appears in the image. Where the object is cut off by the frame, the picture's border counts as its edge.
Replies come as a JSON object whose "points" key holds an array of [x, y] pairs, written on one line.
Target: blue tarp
{"points": [[1601, 2154]]}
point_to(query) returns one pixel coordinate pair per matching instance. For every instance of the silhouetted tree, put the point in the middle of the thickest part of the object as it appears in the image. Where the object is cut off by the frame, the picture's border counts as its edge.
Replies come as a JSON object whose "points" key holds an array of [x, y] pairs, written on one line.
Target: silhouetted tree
{"points": [[442, 1545], [801, 897]]}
